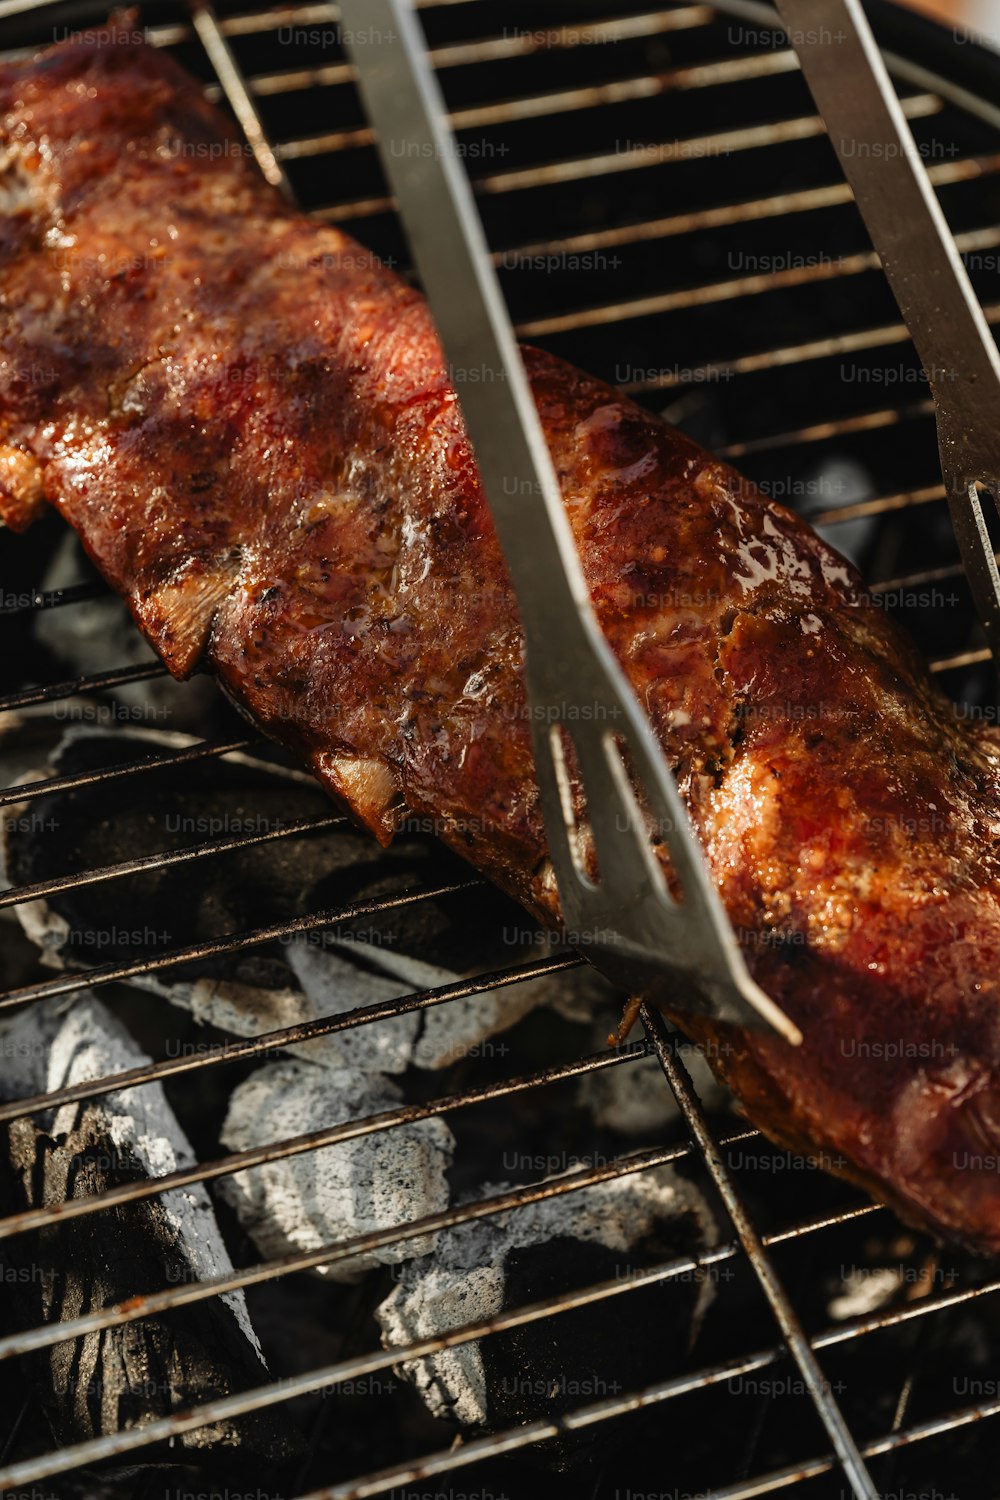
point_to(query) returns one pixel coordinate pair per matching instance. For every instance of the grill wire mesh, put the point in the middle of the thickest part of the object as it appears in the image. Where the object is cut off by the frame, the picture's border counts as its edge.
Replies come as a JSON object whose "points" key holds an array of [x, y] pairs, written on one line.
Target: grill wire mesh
{"points": [[653, 179]]}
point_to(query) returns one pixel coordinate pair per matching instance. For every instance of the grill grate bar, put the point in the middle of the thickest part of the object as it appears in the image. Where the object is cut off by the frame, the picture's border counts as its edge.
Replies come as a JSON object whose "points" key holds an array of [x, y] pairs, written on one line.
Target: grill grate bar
{"points": [[77, 593], [728, 291], [238, 25], [697, 296], [866, 421], [316, 1140], [285, 1390], [353, 208], [642, 1161], [186, 1293], [961, 659], [879, 506], [780, 205], [610, 1407], [937, 1427], [506, 1442], [565, 101], [796, 1342], [912, 580], [941, 174], [20, 894], [253, 23], [231, 942], [360, 1366], [742, 138], [499, 48], [99, 682], [363, 1365], [798, 354], [234, 86], [205, 750], [287, 1036], [451, 55]]}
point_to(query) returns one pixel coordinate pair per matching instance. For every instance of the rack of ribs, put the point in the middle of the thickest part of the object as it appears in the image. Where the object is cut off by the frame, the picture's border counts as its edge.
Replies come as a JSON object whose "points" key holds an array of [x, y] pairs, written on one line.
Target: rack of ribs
{"points": [[249, 421]]}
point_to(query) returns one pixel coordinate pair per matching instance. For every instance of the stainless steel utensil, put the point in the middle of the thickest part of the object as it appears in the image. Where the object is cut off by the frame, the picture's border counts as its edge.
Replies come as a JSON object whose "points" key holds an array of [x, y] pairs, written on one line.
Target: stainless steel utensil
{"points": [[883, 164], [625, 919]]}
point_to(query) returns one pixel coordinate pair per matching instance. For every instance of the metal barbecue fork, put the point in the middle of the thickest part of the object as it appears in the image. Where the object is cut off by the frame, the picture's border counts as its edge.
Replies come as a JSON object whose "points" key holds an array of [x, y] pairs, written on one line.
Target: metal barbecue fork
{"points": [[847, 77], [626, 919]]}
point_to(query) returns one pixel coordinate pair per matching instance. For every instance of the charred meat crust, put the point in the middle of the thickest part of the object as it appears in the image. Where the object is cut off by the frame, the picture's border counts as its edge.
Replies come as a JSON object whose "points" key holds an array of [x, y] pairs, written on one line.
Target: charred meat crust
{"points": [[248, 420]]}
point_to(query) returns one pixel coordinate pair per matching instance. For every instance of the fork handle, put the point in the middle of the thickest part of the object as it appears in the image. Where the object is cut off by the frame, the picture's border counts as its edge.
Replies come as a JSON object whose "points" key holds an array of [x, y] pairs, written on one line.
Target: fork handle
{"points": [[848, 79]]}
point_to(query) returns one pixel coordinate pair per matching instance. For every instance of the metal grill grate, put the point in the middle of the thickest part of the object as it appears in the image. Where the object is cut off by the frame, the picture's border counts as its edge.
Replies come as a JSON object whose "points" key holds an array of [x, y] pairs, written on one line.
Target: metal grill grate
{"points": [[719, 130]]}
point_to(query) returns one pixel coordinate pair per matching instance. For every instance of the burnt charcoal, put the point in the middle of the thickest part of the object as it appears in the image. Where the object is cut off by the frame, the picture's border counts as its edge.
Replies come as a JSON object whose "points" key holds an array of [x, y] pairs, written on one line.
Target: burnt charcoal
{"points": [[124, 1376], [541, 1370], [354, 1187]]}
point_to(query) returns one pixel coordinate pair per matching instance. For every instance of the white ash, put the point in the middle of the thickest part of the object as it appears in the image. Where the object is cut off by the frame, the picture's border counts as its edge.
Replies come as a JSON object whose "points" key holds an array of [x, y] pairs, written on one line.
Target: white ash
{"points": [[76, 1039], [633, 1099], [457, 1028], [465, 1281], [354, 1187], [636, 1100], [866, 1291], [332, 984]]}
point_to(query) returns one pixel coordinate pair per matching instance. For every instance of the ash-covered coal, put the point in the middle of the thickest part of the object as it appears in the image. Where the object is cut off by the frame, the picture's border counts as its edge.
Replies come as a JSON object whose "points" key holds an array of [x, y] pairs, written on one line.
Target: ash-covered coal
{"points": [[123, 1376], [354, 1187], [604, 1233], [310, 1200]]}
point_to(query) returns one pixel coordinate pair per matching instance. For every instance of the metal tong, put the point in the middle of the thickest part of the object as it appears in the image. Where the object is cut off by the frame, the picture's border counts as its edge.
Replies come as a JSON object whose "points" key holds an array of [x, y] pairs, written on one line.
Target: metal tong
{"points": [[624, 918], [848, 79]]}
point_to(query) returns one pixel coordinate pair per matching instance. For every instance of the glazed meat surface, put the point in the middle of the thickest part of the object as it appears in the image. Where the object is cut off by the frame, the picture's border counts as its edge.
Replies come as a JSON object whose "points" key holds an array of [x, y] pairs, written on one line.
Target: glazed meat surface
{"points": [[250, 423]]}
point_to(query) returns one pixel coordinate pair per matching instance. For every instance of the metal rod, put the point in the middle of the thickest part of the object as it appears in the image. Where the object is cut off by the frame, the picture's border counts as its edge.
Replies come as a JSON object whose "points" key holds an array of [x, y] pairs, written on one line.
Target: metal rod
{"points": [[891, 1443], [729, 215], [245, 25], [686, 148], [186, 1293], [234, 85], [316, 1140], [497, 48], [867, 421], [767, 360], [76, 593], [287, 1036], [182, 1294], [728, 291], [785, 1316], [961, 659], [564, 101], [117, 677], [363, 1365], [880, 506], [514, 1439], [19, 895], [746, 138], [29, 791], [232, 942]]}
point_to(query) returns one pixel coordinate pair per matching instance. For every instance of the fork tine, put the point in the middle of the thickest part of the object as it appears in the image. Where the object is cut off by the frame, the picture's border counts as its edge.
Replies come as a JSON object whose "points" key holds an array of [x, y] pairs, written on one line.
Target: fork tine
{"points": [[976, 550]]}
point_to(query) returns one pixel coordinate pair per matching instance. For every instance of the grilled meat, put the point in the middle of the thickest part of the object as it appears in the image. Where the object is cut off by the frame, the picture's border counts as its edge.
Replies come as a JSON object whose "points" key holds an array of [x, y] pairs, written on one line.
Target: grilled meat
{"points": [[250, 423]]}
